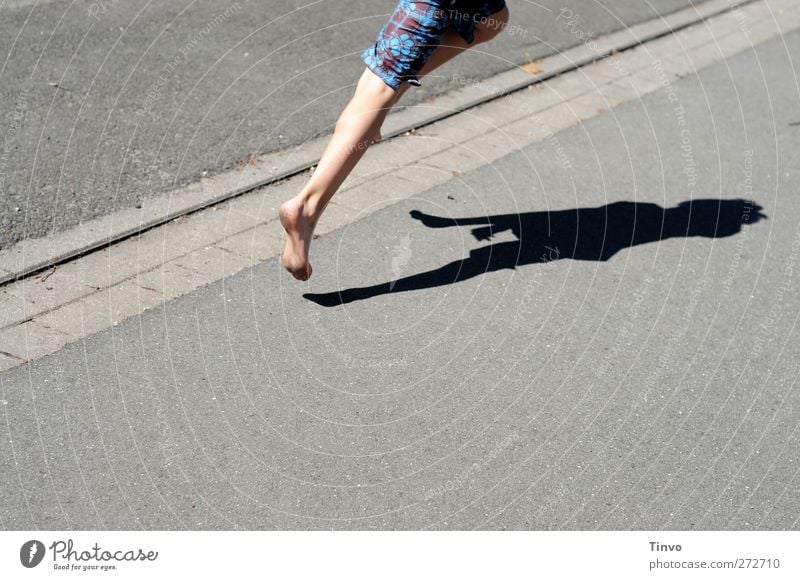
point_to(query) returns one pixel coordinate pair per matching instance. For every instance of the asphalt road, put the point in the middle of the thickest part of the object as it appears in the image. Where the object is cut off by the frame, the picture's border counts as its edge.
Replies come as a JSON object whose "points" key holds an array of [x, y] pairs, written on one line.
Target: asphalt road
{"points": [[104, 103], [569, 372]]}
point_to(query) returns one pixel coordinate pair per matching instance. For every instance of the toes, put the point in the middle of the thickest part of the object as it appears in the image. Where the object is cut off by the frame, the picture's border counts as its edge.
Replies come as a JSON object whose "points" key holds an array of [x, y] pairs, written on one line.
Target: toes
{"points": [[302, 274]]}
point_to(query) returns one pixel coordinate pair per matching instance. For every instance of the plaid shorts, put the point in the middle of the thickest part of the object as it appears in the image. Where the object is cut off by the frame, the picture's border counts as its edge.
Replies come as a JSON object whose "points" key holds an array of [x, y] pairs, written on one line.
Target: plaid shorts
{"points": [[413, 32]]}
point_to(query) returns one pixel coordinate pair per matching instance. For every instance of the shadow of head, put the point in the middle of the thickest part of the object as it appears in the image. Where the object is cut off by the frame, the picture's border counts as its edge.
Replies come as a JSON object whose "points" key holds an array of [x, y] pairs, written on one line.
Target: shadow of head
{"points": [[594, 234], [712, 218]]}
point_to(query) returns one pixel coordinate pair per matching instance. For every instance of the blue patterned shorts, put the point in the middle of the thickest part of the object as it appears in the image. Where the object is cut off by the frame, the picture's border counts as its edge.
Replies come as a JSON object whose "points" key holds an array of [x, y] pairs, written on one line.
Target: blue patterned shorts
{"points": [[413, 32]]}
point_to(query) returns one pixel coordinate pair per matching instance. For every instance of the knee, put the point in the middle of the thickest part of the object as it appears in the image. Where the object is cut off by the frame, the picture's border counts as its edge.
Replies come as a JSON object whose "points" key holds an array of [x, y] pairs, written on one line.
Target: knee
{"points": [[491, 26], [372, 88]]}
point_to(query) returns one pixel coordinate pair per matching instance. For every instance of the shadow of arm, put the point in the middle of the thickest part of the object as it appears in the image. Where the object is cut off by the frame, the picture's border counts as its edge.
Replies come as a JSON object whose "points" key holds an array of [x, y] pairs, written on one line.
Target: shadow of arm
{"points": [[433, 221]]}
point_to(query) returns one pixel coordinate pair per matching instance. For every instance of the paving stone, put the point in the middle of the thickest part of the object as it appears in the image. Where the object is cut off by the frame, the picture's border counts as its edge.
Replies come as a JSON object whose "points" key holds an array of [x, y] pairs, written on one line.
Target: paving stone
{"points": [[358, 178], [568, 86], [189, 233], [663, 47], [181, 237], [51, 289], [564, 60], [727, 23], [564, 115], [423, 175], [494, 145], [733, 43], [378, 193], [112, 265], [101, 310], [498, 113], [214, 262], [588, 105], [607, 69], [337, 216], [31, 340], [449, 131], [705, 55], [616, 94], [686, 39], [104, 268], [538, 101], [641, 84], [458, 159], [31, 254], [171, 280], [680, 64], [533, 128], [407, 149], [259, 244], [13, 309], [372, 164], [263, 204], [789, 20], [640, 57], [7, 362]]}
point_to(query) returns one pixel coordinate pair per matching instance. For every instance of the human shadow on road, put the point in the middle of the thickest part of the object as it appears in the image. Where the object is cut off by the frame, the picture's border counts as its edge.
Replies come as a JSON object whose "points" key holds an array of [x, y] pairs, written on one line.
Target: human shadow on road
{"points": [[594, 234]]}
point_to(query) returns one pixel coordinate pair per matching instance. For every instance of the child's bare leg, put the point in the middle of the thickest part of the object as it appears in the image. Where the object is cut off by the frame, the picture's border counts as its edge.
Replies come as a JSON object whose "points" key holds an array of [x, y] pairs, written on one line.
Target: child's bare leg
{"points": [[358, 126]]}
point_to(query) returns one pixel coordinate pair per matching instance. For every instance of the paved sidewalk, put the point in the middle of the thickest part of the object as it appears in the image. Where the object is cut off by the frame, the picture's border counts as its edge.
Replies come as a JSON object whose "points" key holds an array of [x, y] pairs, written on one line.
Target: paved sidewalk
{"points": [[511, 352]]}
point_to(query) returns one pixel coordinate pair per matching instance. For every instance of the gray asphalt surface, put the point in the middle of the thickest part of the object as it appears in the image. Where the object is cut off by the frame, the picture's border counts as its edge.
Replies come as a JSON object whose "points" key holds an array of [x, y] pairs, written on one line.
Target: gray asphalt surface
{"points": [[104, 103], [644, 387]]}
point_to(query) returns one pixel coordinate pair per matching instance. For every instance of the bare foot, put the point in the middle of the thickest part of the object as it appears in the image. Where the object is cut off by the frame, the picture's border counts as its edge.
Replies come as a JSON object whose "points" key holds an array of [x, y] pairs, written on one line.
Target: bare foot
{"points": [[299, 229]]}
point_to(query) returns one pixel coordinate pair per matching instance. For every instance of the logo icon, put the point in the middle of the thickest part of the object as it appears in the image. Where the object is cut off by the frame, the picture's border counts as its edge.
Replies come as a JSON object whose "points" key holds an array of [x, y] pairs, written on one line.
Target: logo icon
{"points": [[31, 553], [401, 256]]}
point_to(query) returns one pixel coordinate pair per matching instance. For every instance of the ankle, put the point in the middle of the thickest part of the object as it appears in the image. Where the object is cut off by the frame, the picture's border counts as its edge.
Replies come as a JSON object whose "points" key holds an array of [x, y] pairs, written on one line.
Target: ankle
{"points": [[308, 205]]}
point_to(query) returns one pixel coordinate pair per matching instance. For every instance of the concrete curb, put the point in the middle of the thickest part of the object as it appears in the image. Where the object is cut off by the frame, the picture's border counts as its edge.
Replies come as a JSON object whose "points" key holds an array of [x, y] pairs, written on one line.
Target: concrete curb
{"points": [[30, 257]]}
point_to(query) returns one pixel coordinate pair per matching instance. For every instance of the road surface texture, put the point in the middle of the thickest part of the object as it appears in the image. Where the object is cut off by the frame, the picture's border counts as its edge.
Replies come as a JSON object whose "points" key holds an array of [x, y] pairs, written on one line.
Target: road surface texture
{"points": [[596, 332]]}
